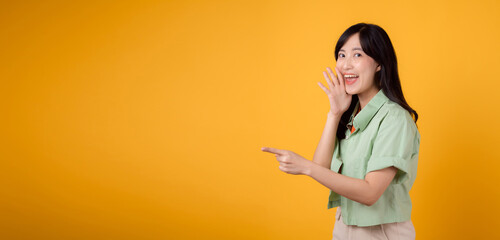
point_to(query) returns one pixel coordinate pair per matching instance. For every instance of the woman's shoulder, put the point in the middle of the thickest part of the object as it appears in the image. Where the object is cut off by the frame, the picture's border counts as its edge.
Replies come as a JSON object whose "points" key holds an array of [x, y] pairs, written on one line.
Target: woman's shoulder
{"points": [[393, 110], [394, 119], [392, 113]]}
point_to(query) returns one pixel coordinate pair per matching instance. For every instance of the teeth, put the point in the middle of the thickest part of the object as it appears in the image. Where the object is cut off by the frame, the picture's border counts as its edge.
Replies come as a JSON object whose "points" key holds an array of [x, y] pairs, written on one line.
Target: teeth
{"points": [[350, 76]]}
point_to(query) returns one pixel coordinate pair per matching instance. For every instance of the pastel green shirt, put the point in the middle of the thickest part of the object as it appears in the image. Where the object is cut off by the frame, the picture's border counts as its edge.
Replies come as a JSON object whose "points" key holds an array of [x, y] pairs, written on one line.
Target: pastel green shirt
{"points": [[385, 136]]}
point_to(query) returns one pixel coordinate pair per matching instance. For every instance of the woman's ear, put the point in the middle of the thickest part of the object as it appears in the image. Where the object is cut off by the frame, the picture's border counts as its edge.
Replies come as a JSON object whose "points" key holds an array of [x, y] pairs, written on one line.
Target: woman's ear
{"points": [[378, 68]]}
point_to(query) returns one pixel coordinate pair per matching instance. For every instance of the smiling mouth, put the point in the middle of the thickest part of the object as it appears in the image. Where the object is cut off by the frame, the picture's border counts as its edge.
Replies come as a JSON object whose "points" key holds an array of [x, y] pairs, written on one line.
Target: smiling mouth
{"points": [[350, 76]]}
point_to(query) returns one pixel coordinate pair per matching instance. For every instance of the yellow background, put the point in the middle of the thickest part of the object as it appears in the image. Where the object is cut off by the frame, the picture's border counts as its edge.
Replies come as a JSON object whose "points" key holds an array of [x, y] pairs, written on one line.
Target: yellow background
{"points": [[144, 119]]}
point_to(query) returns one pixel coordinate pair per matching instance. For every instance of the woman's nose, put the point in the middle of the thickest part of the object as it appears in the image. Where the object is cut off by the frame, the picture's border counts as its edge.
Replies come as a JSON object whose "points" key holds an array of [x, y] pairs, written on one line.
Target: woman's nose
{"points": [[347, 63]]}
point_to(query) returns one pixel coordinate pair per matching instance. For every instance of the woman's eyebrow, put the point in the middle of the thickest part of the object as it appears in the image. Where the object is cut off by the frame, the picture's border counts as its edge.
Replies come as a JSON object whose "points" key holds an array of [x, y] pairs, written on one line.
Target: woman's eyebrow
{"points": [[356, 48]]}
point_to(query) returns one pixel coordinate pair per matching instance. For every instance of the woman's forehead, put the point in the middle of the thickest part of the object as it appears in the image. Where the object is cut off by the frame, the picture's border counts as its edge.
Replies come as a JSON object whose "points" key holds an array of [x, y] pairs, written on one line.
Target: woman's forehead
{"points": [[352, 43]]}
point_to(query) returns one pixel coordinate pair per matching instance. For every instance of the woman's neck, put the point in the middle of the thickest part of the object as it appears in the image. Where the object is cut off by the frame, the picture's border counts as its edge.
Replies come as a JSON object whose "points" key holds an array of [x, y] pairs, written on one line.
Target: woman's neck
{"points": [[366, 96]]}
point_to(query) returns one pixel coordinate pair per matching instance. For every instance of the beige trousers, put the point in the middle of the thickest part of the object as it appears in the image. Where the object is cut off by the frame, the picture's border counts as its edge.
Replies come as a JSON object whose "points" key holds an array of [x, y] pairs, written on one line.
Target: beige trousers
{"points": [[387, 231]]}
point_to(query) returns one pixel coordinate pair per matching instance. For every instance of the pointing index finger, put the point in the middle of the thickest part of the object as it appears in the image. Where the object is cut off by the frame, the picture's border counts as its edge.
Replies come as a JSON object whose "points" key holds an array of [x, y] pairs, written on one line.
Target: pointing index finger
{"points": [[272, 150]]}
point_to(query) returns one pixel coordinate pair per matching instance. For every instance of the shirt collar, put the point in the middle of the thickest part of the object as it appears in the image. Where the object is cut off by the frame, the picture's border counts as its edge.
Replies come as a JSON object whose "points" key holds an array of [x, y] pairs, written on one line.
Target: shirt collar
{"points": [[366, 114]]}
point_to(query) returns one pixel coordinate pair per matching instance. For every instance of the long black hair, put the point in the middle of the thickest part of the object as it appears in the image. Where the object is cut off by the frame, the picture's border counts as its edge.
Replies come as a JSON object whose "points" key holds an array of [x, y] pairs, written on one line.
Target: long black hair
{"points": [[375, 43]]}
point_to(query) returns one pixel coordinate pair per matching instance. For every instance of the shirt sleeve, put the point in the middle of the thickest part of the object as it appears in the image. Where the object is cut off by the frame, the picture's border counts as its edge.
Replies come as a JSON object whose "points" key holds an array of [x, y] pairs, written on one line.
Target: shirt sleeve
{"points": [[394, 145]]}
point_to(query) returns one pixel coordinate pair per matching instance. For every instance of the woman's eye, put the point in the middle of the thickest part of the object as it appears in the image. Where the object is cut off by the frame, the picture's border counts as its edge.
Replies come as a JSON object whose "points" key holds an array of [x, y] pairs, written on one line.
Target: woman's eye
{"points": [[357, 54], [341, 55]]}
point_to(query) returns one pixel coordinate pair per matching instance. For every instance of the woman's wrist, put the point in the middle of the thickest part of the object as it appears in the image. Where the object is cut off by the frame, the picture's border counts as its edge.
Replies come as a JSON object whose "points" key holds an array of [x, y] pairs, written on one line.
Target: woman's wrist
{"points": [[309, 169], [333, 116]]}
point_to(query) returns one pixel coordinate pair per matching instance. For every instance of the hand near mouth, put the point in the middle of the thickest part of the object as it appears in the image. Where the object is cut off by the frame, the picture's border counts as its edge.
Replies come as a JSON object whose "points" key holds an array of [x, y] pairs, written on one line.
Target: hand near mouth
{"points": [[339, 99]]}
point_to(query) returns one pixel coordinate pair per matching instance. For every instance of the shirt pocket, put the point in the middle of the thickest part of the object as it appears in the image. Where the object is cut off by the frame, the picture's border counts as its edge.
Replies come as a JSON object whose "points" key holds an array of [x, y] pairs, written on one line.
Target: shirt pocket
{"points": [[355, 166]]}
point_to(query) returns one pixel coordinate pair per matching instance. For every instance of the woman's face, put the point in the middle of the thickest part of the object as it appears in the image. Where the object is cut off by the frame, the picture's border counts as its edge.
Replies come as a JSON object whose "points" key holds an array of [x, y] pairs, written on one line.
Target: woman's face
{"points": [[357, 68]]}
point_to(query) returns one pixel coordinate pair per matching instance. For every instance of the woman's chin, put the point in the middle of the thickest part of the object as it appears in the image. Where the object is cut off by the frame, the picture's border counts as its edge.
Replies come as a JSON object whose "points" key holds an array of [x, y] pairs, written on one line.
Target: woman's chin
{"points": [[351, 91]]}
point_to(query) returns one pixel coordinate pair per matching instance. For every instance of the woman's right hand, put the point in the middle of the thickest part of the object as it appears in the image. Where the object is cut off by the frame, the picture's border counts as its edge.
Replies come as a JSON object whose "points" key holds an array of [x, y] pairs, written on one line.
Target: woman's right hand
{"points": [[340, 100]]}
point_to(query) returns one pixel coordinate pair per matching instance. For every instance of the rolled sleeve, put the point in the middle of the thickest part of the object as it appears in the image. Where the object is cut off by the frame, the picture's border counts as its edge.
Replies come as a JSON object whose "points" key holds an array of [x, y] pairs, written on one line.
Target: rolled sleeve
{"points": [[394, 145]]}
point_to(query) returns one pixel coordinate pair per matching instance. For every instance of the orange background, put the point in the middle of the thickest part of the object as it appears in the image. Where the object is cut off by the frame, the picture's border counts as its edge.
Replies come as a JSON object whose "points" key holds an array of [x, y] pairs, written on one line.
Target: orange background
{"points": [[144, 119]]}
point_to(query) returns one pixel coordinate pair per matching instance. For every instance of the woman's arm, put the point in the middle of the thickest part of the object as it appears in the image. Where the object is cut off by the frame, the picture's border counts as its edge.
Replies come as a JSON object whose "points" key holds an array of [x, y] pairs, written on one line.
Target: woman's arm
{"points": [[339, 103], [324, 151], [366, 191]]}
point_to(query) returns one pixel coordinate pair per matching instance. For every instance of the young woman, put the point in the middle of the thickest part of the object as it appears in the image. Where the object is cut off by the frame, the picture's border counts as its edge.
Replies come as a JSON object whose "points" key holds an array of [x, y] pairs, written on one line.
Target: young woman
{"points": [[368, 153]]}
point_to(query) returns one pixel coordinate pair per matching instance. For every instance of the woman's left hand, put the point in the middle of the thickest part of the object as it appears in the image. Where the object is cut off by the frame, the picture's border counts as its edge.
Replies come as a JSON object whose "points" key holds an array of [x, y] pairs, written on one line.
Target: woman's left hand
{"points": [[290, 162]]}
